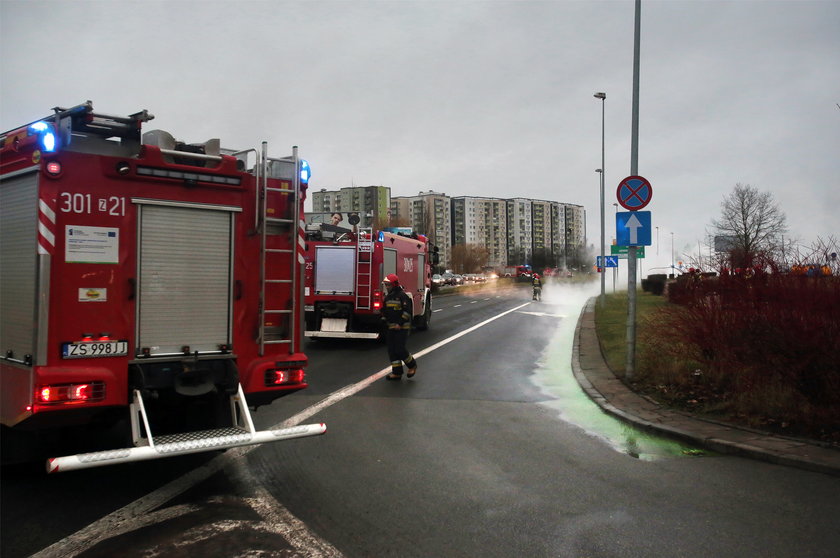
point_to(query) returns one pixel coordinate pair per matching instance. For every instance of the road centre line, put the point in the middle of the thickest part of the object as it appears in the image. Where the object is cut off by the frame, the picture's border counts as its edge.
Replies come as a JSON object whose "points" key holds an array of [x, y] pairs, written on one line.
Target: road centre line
{"points": [[347, 391], [129, 517]]}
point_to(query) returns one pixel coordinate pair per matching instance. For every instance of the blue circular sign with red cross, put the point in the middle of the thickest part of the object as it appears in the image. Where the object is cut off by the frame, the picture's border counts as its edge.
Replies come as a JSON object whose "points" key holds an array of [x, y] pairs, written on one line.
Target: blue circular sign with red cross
{"points": [[634, 192]]}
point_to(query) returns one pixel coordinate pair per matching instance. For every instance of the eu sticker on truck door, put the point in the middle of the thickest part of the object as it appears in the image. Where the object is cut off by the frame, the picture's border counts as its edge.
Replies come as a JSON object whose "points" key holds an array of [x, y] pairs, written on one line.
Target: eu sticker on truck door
{"points": [[98, 245]]}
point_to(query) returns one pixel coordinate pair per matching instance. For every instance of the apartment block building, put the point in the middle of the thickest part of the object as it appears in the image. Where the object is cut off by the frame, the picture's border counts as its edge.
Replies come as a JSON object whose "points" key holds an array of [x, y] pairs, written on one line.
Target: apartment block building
{"points": [[520, 232], [514, 231], [482, 221], [545, 233], [429, 213], [372, 203], [575, 238]]}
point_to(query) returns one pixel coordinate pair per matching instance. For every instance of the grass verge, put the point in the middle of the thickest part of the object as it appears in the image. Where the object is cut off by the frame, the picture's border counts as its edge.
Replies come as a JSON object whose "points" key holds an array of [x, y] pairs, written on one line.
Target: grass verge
{"points": [[611, 325]]}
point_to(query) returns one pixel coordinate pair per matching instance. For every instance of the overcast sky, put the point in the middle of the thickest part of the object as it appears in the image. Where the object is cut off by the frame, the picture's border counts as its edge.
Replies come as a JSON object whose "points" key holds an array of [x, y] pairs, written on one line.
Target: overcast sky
{"points": [[470, 98]]}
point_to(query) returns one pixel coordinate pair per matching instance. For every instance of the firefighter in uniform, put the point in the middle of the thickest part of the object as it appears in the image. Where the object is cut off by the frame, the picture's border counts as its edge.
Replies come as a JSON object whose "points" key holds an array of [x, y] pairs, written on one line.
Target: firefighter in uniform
{"points": [[396, 312], [537, 282]]}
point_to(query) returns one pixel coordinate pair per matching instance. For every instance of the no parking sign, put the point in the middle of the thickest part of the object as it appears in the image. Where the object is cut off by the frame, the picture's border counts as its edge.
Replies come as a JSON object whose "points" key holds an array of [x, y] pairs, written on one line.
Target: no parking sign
{"points": [[634, 192]]}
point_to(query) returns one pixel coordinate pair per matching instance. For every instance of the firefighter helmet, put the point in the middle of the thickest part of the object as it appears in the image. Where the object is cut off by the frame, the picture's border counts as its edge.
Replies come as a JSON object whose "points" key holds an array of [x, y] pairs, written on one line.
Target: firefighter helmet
{"points": [[392, 279]]}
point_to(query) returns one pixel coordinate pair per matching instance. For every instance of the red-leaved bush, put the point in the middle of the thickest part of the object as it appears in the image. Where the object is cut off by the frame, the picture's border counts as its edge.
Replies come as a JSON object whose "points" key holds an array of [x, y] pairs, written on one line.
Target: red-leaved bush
{"points": [[769, 343]]}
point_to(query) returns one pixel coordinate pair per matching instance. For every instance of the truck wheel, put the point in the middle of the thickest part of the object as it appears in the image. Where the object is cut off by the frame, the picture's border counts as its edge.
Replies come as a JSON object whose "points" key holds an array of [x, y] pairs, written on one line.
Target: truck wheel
{"points": [[422, 322]]}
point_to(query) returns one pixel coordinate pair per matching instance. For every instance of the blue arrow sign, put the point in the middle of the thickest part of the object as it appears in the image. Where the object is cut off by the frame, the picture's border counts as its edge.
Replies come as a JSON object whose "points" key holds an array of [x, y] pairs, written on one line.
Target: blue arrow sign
{"points": [[632, 228], [612, 261]]}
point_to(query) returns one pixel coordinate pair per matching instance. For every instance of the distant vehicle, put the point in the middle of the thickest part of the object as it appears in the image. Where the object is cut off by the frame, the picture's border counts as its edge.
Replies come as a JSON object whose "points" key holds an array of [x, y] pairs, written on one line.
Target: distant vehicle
{"points": [[449, 279], [437, 280], [343, 290], [524, 271]]}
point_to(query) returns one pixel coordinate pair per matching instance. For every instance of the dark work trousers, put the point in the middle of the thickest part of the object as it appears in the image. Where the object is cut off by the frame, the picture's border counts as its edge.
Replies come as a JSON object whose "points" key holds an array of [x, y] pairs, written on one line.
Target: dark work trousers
{"points": [[397, 351]]}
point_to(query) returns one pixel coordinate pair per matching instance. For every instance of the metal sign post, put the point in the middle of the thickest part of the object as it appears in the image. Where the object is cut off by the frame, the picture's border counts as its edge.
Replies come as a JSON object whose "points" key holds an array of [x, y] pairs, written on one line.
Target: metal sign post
{"points": [[630, 365]]}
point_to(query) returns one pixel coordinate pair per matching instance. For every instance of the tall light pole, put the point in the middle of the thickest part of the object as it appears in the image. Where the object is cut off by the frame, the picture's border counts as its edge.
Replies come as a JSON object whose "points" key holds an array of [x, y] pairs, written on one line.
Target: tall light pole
{"points": [[657, 241], [603, 97], [673, 271]]}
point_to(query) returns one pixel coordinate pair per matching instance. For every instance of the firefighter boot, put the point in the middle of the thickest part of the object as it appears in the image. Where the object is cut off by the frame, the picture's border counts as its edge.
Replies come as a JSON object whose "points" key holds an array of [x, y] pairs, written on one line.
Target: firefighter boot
{"points": [[396, 371], [412, 367]]}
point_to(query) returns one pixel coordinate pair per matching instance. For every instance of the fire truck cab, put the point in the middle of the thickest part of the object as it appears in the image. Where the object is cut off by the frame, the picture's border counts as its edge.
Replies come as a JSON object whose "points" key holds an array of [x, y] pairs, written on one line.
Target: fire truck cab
{"points": [[344, 273], [146, 278]]}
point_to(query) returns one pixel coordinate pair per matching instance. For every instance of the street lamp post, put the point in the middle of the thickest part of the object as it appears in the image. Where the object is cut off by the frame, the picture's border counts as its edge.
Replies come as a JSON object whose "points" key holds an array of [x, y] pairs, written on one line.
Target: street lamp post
{"points": [[673, 271], [603, 97]]}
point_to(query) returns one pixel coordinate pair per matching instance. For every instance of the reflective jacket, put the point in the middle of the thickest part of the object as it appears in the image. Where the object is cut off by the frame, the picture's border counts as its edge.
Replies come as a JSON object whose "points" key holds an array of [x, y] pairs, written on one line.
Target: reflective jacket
{"points": [[396, 309]]}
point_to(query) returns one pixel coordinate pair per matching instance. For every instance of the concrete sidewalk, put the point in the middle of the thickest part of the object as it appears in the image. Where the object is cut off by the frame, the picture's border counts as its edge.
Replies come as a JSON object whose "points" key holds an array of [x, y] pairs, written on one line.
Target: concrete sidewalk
{"points": [[610, 393]]}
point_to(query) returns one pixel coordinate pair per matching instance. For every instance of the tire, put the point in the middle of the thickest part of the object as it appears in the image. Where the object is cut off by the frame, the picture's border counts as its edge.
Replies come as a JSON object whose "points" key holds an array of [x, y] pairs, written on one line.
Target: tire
{"points": [[421, 323]]}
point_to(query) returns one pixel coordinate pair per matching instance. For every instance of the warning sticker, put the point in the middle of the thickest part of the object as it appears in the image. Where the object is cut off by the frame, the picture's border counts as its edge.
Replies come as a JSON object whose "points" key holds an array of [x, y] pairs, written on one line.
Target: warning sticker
{"points": [[92, 294], [91, 244]]}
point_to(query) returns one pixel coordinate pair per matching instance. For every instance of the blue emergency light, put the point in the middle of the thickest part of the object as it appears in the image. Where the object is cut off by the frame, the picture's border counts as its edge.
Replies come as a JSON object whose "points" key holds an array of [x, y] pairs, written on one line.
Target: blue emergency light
{"points": [[305, 171], [46, 136]]}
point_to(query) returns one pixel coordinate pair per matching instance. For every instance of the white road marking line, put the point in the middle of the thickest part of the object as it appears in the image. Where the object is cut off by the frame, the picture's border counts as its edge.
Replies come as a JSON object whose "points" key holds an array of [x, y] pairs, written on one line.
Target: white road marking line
{"points": [[438, 310], [456, 306], [280, 520], [130, 517], [544, 314]]}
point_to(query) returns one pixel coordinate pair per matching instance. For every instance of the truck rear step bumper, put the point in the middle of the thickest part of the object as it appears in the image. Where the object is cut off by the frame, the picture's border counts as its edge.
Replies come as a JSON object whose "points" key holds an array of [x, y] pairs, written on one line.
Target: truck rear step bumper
{"points": [[337, 328], [343, 334], [146, 448]]}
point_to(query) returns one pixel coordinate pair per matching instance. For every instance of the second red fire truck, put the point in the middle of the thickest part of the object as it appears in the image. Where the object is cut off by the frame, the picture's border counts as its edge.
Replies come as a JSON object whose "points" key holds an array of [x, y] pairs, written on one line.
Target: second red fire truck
{"points": [[148, 279], [344, 273]]}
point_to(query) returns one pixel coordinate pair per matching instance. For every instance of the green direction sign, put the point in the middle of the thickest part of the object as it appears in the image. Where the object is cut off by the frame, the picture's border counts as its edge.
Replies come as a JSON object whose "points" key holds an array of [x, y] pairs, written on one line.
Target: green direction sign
{"points": [[621, 251]]}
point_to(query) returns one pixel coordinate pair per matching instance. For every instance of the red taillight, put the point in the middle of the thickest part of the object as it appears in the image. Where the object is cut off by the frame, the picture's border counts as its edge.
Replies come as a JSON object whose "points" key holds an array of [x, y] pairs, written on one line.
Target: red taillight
{"points": [[280, 377], [79, 392], [377, 300], [66, 393]]}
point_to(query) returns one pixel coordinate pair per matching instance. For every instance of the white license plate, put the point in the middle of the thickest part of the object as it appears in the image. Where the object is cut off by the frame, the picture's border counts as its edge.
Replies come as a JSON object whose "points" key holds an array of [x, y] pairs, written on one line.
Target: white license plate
{"points": [[94, 349]]}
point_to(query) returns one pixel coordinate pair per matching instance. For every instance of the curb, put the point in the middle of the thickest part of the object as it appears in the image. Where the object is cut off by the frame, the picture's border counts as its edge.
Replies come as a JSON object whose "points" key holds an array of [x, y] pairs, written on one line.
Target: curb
{"points": [[608, 392]]}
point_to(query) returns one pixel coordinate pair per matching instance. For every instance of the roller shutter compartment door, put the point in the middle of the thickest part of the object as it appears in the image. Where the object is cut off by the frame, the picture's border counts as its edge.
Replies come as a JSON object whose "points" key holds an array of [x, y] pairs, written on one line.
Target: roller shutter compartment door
{"points": [[185, 279], [18, 263]]}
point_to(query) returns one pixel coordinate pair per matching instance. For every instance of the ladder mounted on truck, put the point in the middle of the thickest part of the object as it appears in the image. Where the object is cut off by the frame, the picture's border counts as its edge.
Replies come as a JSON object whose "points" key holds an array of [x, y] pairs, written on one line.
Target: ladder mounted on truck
{"points": [[364, 271], [272, 229], [147, 447]]}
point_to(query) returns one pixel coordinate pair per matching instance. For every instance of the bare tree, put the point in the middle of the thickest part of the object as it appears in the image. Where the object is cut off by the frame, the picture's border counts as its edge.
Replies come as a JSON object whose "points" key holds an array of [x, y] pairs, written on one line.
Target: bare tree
{"points": [[753, 222], [469, 258]]}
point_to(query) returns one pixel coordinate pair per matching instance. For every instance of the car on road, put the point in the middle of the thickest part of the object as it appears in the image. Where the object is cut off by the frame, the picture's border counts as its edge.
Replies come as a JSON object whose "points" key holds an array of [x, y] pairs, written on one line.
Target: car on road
{"points": [[437, 280], [449, 279]]}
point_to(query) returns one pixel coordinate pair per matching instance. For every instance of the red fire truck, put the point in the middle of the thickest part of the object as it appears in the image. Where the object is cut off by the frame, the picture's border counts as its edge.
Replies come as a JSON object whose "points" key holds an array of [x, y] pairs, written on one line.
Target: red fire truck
{"points": [[148, 279], [344, 272]]}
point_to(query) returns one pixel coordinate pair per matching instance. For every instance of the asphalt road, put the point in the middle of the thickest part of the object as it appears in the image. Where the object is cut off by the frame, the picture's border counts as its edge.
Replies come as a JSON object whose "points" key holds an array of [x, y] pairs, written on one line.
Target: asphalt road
{"points": [[474, 457]]}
